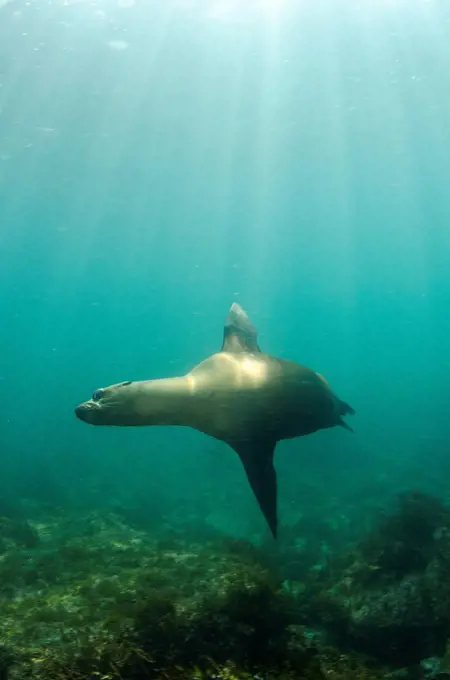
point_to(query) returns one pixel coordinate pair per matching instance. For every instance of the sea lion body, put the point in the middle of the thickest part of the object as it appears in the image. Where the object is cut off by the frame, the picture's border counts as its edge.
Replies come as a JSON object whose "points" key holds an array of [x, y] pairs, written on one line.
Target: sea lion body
{"points": [[241, 396], [246, 395], [227, 396]]}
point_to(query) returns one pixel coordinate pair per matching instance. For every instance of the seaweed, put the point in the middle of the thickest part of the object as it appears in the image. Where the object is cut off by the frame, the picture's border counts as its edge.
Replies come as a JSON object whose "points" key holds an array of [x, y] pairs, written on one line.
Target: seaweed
{"points": [[97, 598], [389, 596]]}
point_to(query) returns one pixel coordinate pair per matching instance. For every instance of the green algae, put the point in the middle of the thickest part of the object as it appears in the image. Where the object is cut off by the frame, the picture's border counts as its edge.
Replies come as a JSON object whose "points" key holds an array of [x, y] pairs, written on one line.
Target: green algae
{"points": [[93, 598], [389, 596]]}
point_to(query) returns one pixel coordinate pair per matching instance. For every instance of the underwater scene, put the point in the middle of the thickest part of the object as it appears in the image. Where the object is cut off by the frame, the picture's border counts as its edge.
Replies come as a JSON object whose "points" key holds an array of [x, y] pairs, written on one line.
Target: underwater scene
{"points": [[224, 341]]}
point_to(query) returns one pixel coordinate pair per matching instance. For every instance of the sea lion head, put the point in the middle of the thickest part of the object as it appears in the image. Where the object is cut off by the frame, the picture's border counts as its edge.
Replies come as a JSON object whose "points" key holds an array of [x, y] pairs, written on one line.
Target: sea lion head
{"points": [[113, 405]]}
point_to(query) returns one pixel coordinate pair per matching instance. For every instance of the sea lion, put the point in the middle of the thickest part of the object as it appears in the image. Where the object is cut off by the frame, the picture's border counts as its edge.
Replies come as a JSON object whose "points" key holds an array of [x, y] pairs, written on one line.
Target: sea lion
{"points": [[241, 396]]}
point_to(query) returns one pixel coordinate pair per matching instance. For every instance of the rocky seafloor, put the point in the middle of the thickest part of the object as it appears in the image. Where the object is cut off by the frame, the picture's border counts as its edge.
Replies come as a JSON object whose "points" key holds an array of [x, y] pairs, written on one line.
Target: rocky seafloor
{"points": [[90, 596]]}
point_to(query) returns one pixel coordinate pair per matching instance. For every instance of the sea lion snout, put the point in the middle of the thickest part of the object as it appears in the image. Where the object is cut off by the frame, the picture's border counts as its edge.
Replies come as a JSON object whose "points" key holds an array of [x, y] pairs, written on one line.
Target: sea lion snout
{"points": [[86, 411]]}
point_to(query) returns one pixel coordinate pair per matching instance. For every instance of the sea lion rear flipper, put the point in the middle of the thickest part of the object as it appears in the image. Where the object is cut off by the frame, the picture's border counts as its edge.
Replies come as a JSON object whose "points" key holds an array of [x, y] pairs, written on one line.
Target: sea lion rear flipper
{"points": [[343, 424], [239, 334], [345, 410], [257, 458]]}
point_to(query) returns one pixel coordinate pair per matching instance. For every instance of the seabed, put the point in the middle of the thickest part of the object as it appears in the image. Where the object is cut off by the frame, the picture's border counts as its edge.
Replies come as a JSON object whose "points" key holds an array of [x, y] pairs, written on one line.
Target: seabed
{"points": [[88, 597]]}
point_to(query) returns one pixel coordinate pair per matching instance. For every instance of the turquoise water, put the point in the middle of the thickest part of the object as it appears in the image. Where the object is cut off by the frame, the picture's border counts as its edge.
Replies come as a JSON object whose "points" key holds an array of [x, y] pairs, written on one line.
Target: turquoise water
{"points": [[159, 161]]}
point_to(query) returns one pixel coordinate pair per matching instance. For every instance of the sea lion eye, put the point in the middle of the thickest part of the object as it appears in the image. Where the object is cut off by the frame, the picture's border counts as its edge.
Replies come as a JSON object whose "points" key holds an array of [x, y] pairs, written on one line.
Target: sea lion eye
{"points": [[98, 394]]}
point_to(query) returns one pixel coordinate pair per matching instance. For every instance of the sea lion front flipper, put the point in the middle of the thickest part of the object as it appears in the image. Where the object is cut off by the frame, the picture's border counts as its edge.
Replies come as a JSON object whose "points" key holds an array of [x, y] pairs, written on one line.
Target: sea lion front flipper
{"points": [[257, 458], [239, 334]]}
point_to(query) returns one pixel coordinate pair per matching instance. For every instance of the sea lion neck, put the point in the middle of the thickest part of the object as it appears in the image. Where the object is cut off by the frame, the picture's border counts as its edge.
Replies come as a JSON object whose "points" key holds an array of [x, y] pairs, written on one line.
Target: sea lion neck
{"points": [[165, 401]]}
